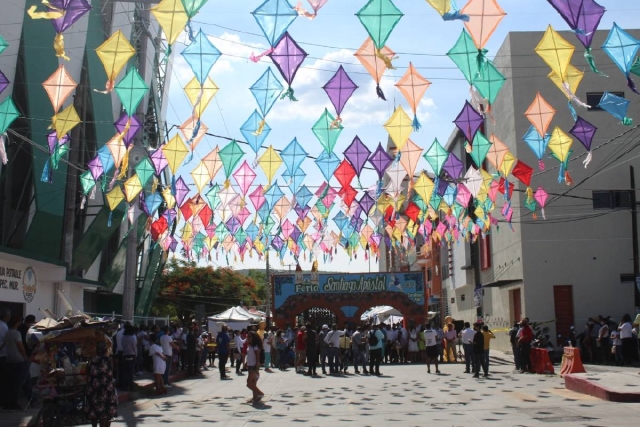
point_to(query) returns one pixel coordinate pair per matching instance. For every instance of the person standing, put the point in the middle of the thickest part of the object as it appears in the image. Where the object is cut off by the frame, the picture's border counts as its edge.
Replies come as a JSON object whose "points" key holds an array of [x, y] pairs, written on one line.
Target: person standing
{"points": [[311, 346], [119, 357], [129, 354], [524, 346], [27, 386], [5, 314], [626, 336], [513, 339], [478, 352], [254, 345], [301, 350], [345, 350], [603, 342], [488, 336], [159, 363], [222, 344], [450, 336], [281, 346], [358, 347], [239, 342], [267, 340], [375, 338], [166, 342], [333, 342], [466, 336], [431, 347], [323, 347], [13, 365], [101, 399]]}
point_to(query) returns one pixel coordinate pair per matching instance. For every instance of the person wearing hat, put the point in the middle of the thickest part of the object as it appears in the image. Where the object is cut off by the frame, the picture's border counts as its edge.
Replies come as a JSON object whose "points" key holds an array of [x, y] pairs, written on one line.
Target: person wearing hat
{"points": [[524, 346], [478, 352], [323, 348], [312, 350]]}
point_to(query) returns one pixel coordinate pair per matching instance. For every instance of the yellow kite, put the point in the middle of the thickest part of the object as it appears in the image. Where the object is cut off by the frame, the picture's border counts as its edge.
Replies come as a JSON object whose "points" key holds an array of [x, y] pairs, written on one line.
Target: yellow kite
{"points": [[114, 54]]}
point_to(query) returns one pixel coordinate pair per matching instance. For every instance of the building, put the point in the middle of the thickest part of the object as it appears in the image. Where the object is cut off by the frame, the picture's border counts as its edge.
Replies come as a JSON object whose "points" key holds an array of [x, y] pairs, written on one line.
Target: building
{"points": [[51, 242], [578, 263]]}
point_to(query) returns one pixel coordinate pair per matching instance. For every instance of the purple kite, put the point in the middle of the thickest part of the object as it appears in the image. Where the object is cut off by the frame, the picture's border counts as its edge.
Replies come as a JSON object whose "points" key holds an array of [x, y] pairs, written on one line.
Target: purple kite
{"points": [[380, 160], [453, 166], [4, 82], [583, 17], [134, 127], [357, 154], [469, 121], [159, 161], [366, 202], [53, 141], [288, 56], [181, 191], [339, 89], [584, 132]]}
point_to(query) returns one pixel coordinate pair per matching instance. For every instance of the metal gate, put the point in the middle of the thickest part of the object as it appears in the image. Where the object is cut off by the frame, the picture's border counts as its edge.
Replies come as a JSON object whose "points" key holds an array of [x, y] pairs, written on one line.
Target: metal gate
{"points": [[317, 316]]}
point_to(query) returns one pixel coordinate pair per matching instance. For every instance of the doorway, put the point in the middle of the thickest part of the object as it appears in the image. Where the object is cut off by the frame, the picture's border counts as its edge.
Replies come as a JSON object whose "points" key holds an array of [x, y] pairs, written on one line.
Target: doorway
{"points": [[516, 304], [563, 303]]}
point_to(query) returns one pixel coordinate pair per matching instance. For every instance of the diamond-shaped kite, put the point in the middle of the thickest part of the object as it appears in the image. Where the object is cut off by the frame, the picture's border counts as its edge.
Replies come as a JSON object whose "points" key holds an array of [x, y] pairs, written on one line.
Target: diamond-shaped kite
{"points": [[399, 126], [201, 55], [266, 91], [274, 17], [287, 55], [413, 87], [327, 130], [131, 90]]}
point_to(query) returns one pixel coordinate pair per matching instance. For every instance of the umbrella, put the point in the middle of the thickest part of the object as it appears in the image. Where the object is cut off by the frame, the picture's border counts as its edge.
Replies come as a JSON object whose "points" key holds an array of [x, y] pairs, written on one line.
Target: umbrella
{"points": [[327, 163], [537, 143], [273, 18], [172, 18], [413, 87], [410, 156], [469, 121], [339, 89], [327, 130], [200, 95], [270, 162], [255, 130], [375, 62], [479, 149], [584, 132], [622, 48], [484, 17], [266, 91], [583, 17], [540, 113], [58, 87], [615, 105], [131, 90], [287, 55], [293, 155], [201, 55], [399, 126], [379, 17], [357, 154], [380, 160], [174, 152], [436, 156], [114, 54]]}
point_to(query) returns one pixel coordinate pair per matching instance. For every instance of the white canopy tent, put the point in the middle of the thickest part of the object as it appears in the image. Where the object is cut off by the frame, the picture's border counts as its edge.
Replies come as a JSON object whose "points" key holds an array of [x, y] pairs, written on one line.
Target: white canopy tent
{"points": [[382, 314], [236, 318]]}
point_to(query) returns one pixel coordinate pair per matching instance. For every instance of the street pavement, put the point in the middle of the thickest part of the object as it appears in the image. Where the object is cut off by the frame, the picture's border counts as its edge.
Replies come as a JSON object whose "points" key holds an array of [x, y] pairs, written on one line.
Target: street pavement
{"points": [[405, 395]]}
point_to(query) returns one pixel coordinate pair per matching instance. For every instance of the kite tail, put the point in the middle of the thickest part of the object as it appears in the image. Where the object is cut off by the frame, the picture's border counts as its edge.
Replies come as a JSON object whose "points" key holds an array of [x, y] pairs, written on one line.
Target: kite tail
{"points": [[303, 12], [83, 203], [529, 193], [113, 179], [586, 161], [572, 110], [415, 124], [506, 190], [384, 58], [543, 214], [567, 178], [632, 85], [3, 149], [561, 173], [534, 216], [103, 184], [481, 61], [589, 58], [47, 173], [108, 87], [258, 131], [257, 58], [541, 164], [379, 92], [173, 185], [110, 218], [189, 31], [627, 121], [572, 96], [58, 46], [452, 16], [289, 94], [336, 123], [154, 185]]}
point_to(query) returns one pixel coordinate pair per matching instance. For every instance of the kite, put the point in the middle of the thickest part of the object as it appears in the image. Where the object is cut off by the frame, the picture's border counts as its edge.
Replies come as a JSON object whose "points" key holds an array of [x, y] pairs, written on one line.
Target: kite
{"points": [[497, 152], [380, 160], [327, 130], [523, 172], [114, 198], [375, 64], [63, 14], [273, 18], [250, 132], [622, 48], [560, 145], [270, 162], [327, 163], [131, 90], [266, 91], [556, 52], [436, 156], [4, 82], [466, 56], [479, 149], [58, 87], [424, 187], [413, 87], [174, 152], [357, 154], [201, 55], [584, 132], [64, 121], [448, 10], [200, 95], [537, 143], [128, 127], [409, 156], [489, 82], [541, 197], [583, 17], [244, 176], [469, 121], [316, 5], [339, 89], [569, 86], [399, 127], [172, 18], [193, 131], [293, 155], [616, 106], [379, 17], [287, 55], [345, 173], [230, 155], [484, 17], [191, 8], [540, 113], [114, 54], [294, 180], [453, 166]]}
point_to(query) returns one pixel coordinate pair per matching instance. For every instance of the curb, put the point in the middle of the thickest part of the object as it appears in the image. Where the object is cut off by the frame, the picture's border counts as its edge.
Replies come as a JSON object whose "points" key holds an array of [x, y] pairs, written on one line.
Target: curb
{"points": [[592, 388]]}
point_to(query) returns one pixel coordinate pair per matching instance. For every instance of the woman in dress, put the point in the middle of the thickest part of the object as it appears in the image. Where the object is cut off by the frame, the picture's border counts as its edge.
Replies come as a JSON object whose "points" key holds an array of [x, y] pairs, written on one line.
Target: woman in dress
{"points": [[102, 402], [254, 345], [421, 345], [281, 346], [413, 345], [159, 364]]}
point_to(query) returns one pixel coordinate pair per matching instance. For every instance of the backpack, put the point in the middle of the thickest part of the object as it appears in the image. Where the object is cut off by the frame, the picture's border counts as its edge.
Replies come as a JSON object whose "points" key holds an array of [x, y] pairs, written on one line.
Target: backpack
{"points": [[373, 339]]}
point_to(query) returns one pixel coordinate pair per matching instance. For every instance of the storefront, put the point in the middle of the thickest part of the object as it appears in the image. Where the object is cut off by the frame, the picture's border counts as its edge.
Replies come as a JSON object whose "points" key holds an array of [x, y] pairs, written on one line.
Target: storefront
{"points": [[28, 285]]}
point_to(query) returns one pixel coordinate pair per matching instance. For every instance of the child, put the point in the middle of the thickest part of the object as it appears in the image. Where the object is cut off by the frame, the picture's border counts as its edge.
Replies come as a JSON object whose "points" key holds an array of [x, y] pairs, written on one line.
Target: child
{"points": [[616, 347]]}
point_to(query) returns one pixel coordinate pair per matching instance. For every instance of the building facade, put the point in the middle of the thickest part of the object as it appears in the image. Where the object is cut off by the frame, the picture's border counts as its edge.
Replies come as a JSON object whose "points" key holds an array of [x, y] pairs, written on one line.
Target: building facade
{"points": [[56, 249], [578, 263]]}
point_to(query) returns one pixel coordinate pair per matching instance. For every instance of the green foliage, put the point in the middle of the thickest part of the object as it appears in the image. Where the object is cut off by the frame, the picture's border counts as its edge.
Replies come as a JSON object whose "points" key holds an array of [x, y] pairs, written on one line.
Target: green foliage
{"points": [[185, 285]]}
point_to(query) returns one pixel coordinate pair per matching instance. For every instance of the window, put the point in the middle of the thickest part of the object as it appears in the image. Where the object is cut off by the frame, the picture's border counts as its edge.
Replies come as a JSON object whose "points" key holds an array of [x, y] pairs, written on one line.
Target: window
{"points": [[611, 199], [593, 99], [429, 275], [445, 272], [485, 252]]}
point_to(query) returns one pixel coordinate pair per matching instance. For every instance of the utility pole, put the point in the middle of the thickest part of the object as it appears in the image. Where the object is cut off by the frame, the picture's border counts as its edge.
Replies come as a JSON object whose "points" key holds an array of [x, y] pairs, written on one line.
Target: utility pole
{"points": [[634, 237], [268, 289]]}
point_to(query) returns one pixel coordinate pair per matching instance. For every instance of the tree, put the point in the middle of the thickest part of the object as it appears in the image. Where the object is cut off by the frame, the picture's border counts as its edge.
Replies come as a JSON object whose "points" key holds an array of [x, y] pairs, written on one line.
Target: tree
{"points": [[184, 285]]}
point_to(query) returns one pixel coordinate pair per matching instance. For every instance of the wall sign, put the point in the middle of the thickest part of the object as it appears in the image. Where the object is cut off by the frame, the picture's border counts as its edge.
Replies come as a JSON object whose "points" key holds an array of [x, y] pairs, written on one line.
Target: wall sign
{"points": [[29, 284], [11, 279]]}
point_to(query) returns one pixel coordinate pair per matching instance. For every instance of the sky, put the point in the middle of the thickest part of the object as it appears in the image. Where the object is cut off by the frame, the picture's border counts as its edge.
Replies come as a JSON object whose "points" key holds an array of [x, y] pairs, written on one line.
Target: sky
{"points": [[421, 37]]}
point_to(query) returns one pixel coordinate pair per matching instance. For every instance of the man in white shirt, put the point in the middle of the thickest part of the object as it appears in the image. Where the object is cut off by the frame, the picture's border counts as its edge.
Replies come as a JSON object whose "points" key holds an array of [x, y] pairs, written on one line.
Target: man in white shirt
{"points": [[166, 341], [333, 342], [431, 347], [467, 344], [626, 336], [119, 356]]}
